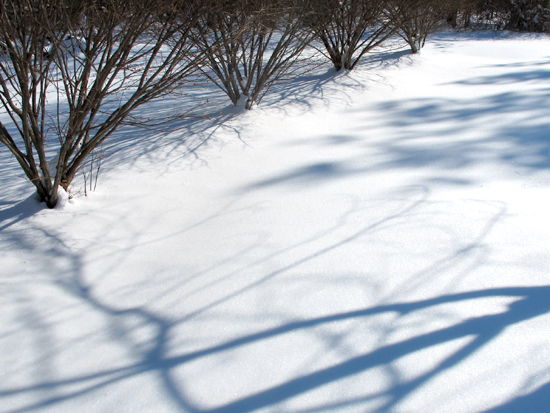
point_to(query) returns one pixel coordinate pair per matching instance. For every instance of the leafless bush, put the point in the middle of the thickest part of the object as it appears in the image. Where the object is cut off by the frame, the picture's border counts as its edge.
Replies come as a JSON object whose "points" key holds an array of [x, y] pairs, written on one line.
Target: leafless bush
{"points": [[348, 29], [74, 71], [417, 19], [250, 44]]}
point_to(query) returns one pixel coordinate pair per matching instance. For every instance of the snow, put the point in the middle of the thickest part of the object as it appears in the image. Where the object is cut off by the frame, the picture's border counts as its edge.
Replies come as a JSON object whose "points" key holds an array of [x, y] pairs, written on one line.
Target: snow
{"points": [[373, 241]]}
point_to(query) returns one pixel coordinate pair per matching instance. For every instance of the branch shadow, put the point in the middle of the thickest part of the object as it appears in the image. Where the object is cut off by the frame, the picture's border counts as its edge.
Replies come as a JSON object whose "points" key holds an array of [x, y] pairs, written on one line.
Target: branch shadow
{"points": [[19, 211], [203, 118], [534, 402], [154, 354], [447, 135], [322, 85], [508, 78], [532, 303], [14, 185]]}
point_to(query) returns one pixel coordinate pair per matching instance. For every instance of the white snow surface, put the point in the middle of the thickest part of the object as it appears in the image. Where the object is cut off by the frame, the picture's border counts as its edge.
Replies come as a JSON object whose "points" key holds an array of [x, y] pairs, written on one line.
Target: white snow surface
{"points": [[373, 241]]}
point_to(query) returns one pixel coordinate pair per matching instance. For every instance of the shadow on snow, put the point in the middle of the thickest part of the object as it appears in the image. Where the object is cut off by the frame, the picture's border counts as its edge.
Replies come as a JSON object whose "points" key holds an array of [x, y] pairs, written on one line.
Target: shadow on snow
{"points": [[523, 143], [155, 357], [447, 135]]}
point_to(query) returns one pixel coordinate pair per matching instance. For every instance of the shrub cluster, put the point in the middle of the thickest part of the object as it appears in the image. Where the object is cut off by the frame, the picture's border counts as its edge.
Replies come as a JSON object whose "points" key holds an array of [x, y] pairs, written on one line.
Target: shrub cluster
{"points": [[103, 59]]}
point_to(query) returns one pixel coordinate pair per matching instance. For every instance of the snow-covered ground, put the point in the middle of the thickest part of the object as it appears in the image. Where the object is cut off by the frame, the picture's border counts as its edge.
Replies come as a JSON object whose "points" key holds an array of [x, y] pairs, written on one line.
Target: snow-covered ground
{"points": [[374, 241]]}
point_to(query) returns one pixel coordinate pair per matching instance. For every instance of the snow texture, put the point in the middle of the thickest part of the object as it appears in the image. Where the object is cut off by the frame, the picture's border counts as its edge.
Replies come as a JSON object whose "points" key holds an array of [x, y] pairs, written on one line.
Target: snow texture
{"points": [[373, 241]]}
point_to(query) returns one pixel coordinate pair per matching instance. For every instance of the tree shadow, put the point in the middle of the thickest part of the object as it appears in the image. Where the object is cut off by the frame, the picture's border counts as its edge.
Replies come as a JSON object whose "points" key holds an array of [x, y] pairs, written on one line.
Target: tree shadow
{"points": [[534, 402], [532, 302], [509, 78], [447, 135], [154, 353], [14, 184], [20, 211], [203, 117], [322, 85]]}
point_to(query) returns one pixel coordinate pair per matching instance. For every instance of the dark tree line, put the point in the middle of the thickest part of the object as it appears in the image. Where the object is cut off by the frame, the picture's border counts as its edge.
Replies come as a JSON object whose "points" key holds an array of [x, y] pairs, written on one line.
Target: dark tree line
{"points": [[72, 72], [517, 15]]}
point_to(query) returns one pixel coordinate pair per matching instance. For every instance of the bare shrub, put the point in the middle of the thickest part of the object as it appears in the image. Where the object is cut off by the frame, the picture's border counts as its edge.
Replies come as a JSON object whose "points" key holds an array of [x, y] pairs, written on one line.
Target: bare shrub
{"points": [[348, 29], [250, 44], [72, 72], [415, 20]]}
